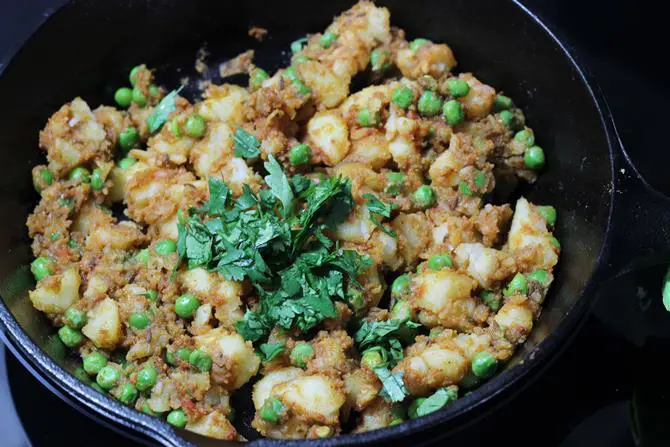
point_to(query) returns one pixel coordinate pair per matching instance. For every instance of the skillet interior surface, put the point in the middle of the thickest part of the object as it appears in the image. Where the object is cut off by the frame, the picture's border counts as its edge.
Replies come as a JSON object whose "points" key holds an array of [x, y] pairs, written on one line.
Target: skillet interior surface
{"points": [[87, 48]]}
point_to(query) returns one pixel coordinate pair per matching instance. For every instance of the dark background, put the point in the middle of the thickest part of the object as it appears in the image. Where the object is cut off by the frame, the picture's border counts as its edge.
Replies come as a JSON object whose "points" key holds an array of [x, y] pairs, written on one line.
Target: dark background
{"points": [[609, 387]]}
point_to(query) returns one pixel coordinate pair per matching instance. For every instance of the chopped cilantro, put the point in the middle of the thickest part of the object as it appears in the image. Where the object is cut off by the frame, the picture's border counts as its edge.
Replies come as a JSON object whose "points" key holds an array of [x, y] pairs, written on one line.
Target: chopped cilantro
{"points": [[436, 401], [379, 209], [278, 183], [271, 350], [393, 388], [246, 145], [164, 108]]}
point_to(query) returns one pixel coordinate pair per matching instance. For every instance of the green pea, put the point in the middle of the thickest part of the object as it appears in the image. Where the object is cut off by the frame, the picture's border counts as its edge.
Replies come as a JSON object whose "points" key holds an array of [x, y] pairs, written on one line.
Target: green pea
{"points": [[401, 286], [424, 196], [469, 381], [127, 162], [123, 97], [166, 247], [128, 394], [457, 87], [327, 40], [97, 180], [518, 284], [428, 82], [380, 59], [502, 102], [302, 88], [366, 118], [72, 244], [429, 104], [186, 305], [356, 299], [177, 418], [143, 256], [43, 178], [452, 111], [152, 295], [300, 154], [183, 354], [534, 157], [146, 378], [256, 78], [490, 299], [301, 59], [129, 138], [54, 236], [374, 357], [195, 126], [70, 337], [174, 128], [133, 74], [154, 91], [300, 354], [395, 182], [139, 98], [525, 136], [271, 410], [403, 97], [107, 377], [417, 43], [75, 318], [138, 320], [41, 268], [553, 241], [201, 360], [401, 310], [79, 175], [548, 213], [464, 189], [291, 74], [480, 179], [507, 118], [296, 45], [439, 262], [94, 362], [411, 411], [540, 276], [484, 365]]}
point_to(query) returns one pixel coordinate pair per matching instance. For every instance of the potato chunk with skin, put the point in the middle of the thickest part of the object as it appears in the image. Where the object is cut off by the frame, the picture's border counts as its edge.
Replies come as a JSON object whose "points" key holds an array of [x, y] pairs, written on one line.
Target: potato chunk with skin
{"points": [[443, 298], [529, 240], [55, 294], [72, 137], [328, 88], [432, 364], [486, 265], [328, 136], [235, 360], [215, 425], [263, 387], [211, 288], [104, 326]]}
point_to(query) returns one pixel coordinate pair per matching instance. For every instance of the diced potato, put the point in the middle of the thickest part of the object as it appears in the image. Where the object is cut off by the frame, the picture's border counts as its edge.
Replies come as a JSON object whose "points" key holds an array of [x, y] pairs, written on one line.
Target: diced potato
{"points": [[329, 137], [357, 228], [119, 178], [212, 153], [529, 238], [516, 319], [486, 265], [377, 415], [91, 216], [479, 101], [317, 398], [373, 98], [57, 293], [215, 425], [443, 298], [413, 235], [104, 324], [444, 170], [371, 150], [224, 103], [166, 146], [224, 295], [122, 236], [237, 173], [400, 132], [434, 367], [235, 357], [429, 59], [362, 387], [329, 88], [161, 394], [263, 387]]}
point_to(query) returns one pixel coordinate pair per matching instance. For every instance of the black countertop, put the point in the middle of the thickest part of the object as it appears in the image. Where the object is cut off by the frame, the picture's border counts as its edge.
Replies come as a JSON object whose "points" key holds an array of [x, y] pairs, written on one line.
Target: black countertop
{"points": [[609, 385]]}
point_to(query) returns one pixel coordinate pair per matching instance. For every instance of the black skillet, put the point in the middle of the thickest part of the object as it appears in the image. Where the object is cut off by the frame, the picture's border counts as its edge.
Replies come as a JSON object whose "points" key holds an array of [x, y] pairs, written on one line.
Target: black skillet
{"points": [[608, 214]]}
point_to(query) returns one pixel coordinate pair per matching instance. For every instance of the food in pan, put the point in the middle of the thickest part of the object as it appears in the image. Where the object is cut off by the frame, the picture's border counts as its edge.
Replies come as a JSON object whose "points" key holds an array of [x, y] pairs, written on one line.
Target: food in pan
{"points": [[338, 251]]}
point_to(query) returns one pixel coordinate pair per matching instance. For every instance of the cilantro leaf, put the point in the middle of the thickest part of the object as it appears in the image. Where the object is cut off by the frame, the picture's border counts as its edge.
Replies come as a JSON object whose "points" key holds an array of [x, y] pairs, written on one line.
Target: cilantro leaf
{"points": [[246, 145], [198, 244], [393, 387], [218, 196], [300, 183], [252, 326], [439, 399], [271, 350], [278, 183], [374, 332], [165, 107], [377, 209]]}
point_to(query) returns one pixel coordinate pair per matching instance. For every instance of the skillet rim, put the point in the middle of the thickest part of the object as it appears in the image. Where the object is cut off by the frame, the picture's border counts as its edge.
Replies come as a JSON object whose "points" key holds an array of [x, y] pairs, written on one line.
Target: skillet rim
{"points": [[85, 398]]}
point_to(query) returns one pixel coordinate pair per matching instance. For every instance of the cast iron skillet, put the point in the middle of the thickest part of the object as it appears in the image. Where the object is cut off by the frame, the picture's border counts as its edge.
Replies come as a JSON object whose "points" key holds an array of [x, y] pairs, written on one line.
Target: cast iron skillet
{"points": [[607, 211]]}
